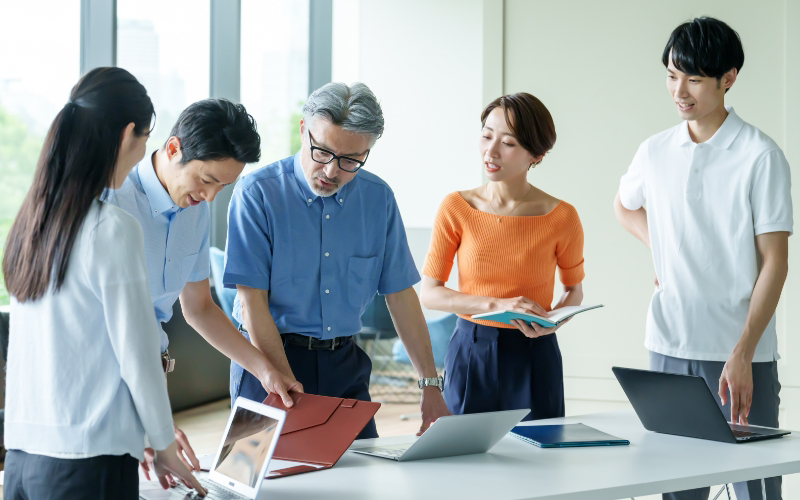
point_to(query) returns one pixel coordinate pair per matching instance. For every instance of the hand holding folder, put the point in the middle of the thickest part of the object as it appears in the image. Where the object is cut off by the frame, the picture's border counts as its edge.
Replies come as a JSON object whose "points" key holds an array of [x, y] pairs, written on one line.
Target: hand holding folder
{"points": [[318, 430]]}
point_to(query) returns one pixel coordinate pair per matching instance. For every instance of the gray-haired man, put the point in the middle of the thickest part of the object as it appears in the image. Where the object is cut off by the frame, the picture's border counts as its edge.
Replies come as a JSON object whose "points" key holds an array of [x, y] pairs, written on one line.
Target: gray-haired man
{"points": [[311, 239]]}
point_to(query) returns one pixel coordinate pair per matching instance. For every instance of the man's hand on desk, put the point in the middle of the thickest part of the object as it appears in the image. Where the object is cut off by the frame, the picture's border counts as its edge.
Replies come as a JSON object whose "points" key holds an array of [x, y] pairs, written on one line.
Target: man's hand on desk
{"points": [[737, 376], [432, 406], [272, 380], [183, 450]]}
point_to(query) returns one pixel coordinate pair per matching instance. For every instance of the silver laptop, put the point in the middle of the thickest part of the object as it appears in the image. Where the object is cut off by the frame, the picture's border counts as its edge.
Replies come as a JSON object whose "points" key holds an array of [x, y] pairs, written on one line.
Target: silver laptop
{"points": [[242, 459], [449, 436]]}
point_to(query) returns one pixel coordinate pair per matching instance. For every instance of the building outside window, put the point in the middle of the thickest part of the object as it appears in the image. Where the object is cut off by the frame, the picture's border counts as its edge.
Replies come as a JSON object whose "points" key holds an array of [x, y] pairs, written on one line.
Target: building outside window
{"points": [[165, 45], [274, 81]]}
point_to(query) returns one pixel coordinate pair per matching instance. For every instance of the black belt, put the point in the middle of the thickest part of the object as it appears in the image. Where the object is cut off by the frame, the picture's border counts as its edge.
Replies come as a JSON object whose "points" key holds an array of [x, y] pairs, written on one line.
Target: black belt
{"points": [[313, 344], [310, 343]]}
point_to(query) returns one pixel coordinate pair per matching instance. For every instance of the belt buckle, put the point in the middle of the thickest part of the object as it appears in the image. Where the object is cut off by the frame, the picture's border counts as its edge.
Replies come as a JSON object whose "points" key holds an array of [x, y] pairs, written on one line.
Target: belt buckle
{"points": [[333, 344], [310, 339], [167, 362]]}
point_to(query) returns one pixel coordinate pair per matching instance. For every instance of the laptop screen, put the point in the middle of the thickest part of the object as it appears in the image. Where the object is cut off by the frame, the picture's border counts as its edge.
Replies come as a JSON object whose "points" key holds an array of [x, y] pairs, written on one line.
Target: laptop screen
{"points": [[246, 446]]}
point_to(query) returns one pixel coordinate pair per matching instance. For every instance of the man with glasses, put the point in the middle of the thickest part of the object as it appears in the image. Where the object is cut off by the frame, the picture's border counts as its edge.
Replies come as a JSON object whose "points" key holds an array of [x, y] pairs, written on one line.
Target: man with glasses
{"points": [[311, 239]]}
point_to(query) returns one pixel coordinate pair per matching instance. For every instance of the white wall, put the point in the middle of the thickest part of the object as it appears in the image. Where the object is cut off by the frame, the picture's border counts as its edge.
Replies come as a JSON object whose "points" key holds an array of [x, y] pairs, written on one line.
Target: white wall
{"points": [[423, 61]]}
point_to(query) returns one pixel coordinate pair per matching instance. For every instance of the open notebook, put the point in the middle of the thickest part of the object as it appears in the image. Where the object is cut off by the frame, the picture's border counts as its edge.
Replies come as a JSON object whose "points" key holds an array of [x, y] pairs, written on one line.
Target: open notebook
{"points": [[556, 316]]}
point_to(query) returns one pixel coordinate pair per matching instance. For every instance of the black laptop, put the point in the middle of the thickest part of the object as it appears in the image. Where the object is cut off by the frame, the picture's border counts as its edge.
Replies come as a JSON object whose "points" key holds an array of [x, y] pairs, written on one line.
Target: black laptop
{"points": [[683, 405]]}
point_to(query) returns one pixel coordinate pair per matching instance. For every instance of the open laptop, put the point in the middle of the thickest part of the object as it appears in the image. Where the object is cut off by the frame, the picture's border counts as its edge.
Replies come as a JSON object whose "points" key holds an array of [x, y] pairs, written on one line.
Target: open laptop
{"points": [[242, 459], [449, 436], [683, 405]]}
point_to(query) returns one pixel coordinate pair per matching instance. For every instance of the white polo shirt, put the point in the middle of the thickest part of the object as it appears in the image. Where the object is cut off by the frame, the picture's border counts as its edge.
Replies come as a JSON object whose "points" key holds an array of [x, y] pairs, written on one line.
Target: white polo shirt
{"points": [[706, 203]]}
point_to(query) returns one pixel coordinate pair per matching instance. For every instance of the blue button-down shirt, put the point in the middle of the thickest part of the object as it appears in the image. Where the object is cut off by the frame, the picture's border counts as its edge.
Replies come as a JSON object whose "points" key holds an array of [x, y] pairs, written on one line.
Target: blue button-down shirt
{"points": [[322, 258], [175, 239]]}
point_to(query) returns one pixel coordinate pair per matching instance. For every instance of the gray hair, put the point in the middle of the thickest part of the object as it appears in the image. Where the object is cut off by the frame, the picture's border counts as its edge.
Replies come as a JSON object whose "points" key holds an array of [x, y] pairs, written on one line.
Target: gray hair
{"points": [[354, 108]]}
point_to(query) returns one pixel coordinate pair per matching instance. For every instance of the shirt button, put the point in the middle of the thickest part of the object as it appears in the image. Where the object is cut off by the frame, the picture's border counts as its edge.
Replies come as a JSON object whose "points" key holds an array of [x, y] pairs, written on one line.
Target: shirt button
{"points": [[697, 170], [329, 328], [310, 200], [340, 200], [327, 216], [327, 254]]}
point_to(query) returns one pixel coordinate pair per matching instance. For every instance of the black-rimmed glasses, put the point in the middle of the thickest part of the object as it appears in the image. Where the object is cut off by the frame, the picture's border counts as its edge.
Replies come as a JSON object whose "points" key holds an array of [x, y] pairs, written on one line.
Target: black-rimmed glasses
{"points": [[322, 155]]}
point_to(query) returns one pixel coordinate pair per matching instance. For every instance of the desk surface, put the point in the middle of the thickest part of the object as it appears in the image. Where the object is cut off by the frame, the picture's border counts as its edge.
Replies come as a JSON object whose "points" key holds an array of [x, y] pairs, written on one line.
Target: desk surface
{"points": [[653, 463]]}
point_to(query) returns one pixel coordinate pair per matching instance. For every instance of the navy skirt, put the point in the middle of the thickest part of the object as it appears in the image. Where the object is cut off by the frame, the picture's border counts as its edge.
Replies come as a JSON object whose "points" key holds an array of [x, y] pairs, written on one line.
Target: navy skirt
{"points": [[493, 369]]}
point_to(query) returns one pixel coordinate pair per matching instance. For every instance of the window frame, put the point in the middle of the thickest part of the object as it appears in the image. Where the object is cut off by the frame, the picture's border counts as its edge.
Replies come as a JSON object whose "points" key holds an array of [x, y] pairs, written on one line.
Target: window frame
{"points": [[99, 48]]}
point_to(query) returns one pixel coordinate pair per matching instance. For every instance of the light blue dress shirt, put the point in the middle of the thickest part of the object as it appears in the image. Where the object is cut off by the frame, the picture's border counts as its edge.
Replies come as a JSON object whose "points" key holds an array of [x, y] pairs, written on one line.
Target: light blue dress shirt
{"points": [[322, 258], [176, 240]]}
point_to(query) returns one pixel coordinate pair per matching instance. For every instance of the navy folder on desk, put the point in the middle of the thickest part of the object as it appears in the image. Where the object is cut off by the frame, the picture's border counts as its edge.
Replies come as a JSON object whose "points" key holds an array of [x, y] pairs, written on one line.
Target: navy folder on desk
{"points": [[565, 436]]}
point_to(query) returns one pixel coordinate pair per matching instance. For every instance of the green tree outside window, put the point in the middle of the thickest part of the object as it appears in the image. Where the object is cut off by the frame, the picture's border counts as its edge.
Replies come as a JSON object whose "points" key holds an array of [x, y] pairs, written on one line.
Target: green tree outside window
{"points": [[19, 152]]}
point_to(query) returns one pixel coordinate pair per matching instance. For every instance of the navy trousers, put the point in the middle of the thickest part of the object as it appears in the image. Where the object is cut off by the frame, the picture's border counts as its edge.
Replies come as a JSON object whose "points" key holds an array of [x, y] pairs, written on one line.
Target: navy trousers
{"points": [[29, 477], [492, 369], [341, 373]]}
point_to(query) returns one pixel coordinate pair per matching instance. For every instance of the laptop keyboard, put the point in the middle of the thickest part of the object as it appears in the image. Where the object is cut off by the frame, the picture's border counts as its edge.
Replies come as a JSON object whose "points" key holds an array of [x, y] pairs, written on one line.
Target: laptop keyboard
{"points": [[215, 491], [389, 452]]}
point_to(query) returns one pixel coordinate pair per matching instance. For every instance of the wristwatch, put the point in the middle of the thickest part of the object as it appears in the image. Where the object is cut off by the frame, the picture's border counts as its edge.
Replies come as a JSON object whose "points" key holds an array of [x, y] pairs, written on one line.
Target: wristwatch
{"points": [[437, 382]]}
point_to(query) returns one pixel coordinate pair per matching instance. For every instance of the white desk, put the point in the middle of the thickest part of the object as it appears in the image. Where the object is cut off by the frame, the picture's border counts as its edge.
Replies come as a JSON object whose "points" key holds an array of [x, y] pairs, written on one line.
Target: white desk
{"points": [[653, 463]]}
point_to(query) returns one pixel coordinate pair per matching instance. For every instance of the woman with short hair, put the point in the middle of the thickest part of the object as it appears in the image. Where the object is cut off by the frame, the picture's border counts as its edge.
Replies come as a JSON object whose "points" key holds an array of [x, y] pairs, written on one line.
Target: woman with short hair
{"points": [[509, 237]]}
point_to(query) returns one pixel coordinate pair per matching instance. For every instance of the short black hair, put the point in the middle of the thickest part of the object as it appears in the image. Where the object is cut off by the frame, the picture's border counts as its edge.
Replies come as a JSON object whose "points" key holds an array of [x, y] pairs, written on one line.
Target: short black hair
{"points": [[704, 46], [217, 129]]}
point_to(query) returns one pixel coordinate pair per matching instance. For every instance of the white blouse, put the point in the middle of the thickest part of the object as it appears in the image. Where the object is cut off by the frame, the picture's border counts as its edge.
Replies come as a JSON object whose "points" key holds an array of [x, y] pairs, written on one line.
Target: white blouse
{"points": [[84, 376]]}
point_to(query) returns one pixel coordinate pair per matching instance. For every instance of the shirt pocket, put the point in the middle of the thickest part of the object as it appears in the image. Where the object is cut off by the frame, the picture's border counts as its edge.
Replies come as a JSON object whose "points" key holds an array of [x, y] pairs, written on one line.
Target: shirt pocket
{"points": [[362, 281]]}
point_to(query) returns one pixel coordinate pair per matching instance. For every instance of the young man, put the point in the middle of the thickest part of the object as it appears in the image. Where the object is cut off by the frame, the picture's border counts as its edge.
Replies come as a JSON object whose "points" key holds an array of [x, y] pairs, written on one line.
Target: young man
{"points": [[718, 220], [311, 239], [168, 193]]}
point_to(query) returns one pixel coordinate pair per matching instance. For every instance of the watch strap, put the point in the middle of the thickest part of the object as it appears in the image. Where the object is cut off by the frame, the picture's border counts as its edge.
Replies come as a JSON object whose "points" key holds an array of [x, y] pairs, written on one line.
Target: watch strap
{"points": [[434, 381]]}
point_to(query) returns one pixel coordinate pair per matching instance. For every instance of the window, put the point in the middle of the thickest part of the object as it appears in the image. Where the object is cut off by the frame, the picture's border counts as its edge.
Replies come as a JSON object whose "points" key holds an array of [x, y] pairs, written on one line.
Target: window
{"points": [[165, 44], [274, 79], [39, 64]]}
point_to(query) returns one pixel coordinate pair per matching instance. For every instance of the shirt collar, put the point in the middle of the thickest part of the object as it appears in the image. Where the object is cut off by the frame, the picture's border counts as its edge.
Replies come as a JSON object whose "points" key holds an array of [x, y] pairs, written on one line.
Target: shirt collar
{"points": [[722, 138], [305, 191], [160, 201]]}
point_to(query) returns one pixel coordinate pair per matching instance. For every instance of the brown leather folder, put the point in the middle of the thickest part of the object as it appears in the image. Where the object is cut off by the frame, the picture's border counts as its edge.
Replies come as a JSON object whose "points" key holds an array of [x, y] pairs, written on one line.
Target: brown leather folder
{"points": [[318, 430]]}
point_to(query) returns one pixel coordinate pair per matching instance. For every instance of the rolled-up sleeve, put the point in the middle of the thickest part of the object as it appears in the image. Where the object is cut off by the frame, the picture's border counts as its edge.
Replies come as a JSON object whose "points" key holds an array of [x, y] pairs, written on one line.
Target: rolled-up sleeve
{"points": [[398, 271], [445, 239], [632, 184], [569, 251], [771, 195], [202, 266], [248, 253]]}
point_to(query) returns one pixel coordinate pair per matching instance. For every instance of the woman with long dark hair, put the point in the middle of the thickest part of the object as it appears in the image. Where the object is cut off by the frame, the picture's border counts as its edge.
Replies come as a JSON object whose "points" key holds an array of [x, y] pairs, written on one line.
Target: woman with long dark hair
{"points": [[85, 383]]}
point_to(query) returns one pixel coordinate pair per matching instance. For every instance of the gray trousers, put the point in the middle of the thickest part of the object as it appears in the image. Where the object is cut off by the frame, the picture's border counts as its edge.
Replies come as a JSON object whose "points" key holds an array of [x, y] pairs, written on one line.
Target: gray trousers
{"points": [[763, 411]]}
